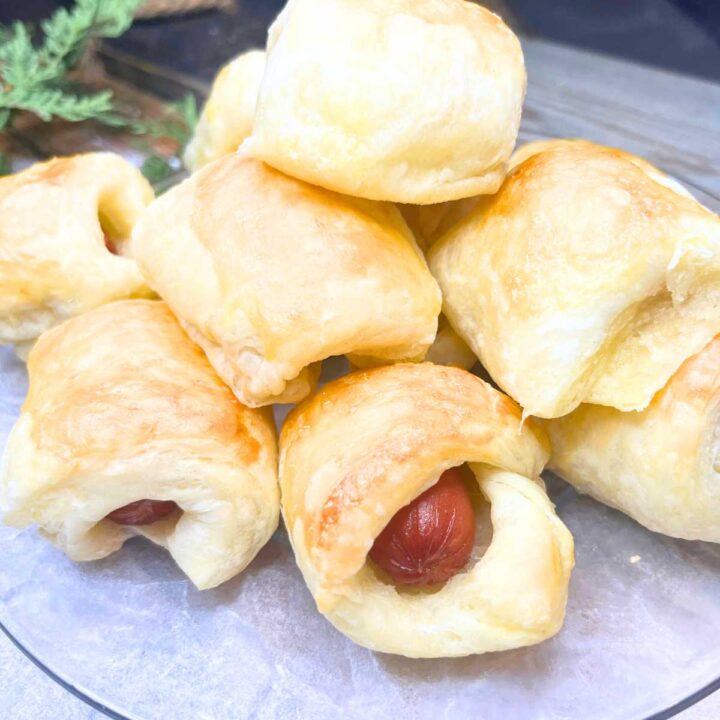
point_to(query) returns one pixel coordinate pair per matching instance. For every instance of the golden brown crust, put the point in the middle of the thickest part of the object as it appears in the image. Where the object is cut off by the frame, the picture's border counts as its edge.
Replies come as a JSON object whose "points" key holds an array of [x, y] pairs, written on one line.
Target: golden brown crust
{"points": [[53, 260], [588, 278], [123, 406], [271, 275], [412, 101], [367, 445], [228, 115], [659, 466], [539, 146]]}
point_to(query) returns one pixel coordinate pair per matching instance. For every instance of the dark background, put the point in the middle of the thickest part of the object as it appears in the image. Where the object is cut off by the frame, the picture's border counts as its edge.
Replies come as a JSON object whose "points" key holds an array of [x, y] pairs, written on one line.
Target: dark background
{"points": [[679, 35]]}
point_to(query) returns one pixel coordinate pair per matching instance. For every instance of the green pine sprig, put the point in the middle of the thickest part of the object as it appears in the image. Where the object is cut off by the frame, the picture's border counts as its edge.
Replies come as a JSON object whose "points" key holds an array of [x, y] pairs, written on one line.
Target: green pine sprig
{"points": [[178, 122], [34, 76]]}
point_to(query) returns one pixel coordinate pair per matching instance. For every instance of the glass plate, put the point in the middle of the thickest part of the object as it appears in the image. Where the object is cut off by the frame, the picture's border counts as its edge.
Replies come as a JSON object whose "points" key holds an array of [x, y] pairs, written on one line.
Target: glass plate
{"points": [[133, 637]]}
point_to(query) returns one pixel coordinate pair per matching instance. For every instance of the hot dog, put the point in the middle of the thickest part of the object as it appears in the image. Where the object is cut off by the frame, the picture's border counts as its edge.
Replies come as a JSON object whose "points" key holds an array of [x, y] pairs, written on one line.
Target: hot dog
{"points": [[142, 512], [430, 540], [110, 244]]}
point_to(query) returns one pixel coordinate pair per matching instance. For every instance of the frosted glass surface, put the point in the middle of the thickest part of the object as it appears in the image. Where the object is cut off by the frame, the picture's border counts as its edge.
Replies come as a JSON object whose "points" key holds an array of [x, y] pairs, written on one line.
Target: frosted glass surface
{"points": [[131, 633]]}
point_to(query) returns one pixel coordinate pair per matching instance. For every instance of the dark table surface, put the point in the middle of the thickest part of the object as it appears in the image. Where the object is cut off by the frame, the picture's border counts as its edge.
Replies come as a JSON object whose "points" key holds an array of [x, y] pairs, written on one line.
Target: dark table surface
{"points": [[681, 35]]}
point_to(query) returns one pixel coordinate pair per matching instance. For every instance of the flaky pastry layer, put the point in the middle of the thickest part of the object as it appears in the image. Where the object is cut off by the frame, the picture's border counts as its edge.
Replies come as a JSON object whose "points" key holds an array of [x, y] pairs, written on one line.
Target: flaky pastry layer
{"points": [[228, 116], [367, 445], [412, 101], [123, 407], [271, 275], [660, 466], [589, 277], [54, 262]]}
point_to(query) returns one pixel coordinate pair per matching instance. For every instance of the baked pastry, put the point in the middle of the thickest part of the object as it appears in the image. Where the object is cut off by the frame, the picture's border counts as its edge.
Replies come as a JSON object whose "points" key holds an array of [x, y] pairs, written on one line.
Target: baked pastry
{"points": [[449, 348], [398, 577], [660, 465], [537, 146], [430, 222], [270, 276], [63, 241], [588, 278], [413, 101], [126, 431], [228, 115], [427, 223]]}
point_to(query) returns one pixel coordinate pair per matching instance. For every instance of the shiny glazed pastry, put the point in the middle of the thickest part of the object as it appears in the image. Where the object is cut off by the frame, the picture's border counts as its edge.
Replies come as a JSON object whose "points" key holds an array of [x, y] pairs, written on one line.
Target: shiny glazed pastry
{"points": [[126, 431], [659, 466], [588, 278], [413, 101], [228, 115], [63, 237], [377, 513], [270, 276]]}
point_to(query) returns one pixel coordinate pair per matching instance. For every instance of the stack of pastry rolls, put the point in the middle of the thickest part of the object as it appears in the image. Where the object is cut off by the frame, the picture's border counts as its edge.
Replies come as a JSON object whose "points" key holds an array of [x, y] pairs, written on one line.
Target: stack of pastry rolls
{"points": [[411, 492], [589, 287], [354, 193]]}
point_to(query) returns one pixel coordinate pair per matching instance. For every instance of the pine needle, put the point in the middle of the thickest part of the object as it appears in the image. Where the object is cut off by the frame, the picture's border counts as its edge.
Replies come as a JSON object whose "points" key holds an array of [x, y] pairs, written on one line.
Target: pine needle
{"points": [[34, 75]]}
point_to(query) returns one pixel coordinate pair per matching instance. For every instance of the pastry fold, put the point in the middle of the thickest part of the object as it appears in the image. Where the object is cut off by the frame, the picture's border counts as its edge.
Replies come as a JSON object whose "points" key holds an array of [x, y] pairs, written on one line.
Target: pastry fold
{"points": [[660, 466], [124, 407], [54, 261], [589, 277], [427, 223], [449, 348], [270, 275], [371, 442], [430, 222], [413, 101], [228, 115]]}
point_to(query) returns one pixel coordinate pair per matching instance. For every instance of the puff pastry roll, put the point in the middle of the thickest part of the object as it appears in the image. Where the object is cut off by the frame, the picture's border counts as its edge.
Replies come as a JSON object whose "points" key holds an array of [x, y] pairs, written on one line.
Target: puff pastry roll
{"points": [[63, 241], [126, 431], [659, 466], [270, 276], [414, 101], [228, 115], [590, 277], [358, 457]]}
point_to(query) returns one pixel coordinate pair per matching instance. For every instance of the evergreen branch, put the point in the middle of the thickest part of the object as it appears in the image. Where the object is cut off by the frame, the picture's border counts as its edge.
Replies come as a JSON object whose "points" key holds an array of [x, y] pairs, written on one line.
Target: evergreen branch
{"points": [[34, 78], [68, 32], [47, 103], [187, 109], [19, 61], [178, 123], [156, 170]]}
